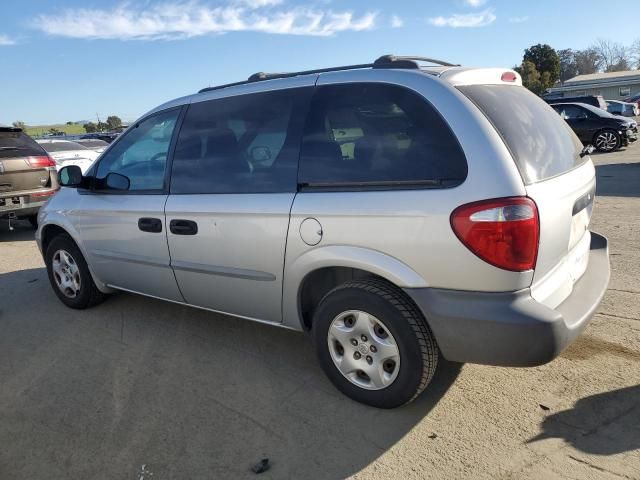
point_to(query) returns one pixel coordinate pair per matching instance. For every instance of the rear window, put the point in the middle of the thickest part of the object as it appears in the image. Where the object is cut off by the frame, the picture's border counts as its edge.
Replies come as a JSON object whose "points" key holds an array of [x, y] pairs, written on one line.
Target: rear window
{"points": [[93, 143], [18, 144], [541, 142], [62, 146]]}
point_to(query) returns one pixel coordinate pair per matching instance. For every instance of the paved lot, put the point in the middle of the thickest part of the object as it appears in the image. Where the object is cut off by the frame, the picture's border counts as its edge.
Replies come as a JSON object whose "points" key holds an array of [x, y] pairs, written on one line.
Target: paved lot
{"points": [[139, 389]]}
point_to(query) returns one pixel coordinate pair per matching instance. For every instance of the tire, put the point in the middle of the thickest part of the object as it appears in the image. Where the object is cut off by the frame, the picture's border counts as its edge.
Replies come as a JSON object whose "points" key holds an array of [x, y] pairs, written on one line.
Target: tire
{"points": [[378, 301], [607, 140], [33, 220], [87, 294]]}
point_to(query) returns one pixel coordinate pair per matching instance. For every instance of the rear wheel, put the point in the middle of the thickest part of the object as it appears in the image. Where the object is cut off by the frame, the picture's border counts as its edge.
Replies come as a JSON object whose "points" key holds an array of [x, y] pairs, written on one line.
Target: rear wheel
{"points": [[374, 344], [69, 274], [607, 140]]}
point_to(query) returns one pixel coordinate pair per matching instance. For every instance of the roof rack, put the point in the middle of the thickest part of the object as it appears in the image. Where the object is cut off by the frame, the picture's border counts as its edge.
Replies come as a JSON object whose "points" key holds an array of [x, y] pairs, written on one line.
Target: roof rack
{"points": [[385, 61]]}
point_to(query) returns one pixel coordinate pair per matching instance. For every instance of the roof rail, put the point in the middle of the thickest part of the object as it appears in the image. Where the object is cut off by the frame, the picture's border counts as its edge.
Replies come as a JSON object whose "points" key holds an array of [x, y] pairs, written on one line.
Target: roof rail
{"points": [[385, 61]]}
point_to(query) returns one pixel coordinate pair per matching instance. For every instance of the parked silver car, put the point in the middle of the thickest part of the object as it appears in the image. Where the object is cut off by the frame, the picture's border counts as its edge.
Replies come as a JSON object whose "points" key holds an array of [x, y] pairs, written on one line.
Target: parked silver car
{"points": [[394, 212]]}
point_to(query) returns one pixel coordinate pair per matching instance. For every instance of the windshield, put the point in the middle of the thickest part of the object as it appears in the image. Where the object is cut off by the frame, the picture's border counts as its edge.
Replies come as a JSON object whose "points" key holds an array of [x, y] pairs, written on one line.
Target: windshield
{"points": [[541, 142], [62, 146]]}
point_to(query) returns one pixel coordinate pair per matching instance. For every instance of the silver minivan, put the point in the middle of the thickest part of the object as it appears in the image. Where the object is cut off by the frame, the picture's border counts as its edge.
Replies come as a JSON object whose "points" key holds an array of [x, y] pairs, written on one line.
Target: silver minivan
{"points": [[394, 211]]}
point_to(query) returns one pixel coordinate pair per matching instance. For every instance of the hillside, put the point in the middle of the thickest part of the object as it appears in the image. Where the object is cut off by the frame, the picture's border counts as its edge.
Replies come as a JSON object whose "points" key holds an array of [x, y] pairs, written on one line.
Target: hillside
{"points": [[37, 130]]}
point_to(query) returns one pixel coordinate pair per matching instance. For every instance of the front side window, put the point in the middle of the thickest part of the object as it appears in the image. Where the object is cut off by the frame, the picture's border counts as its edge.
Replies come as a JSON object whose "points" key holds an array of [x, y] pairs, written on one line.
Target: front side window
{"points": [[241, 144], [141, 155], [377, 135]]}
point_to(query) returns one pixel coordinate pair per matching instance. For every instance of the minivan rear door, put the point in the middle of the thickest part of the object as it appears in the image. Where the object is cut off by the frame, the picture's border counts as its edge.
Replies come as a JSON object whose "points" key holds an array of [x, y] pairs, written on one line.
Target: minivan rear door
{"points": [[556, 176]]}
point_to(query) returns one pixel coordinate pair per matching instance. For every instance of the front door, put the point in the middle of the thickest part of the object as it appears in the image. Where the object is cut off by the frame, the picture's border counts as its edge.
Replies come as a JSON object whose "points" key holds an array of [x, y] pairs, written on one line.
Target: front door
{"points": [[233, 181], [123, 229]]}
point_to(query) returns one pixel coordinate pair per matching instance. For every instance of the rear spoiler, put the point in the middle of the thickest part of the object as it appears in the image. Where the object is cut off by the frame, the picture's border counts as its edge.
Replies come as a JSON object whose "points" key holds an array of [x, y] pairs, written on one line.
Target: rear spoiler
{"points": [[481, 76]]}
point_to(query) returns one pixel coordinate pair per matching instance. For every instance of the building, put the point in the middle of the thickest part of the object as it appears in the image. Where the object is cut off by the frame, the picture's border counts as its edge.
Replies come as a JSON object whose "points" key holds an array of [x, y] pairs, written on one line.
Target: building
{"points": [[612, 86]]}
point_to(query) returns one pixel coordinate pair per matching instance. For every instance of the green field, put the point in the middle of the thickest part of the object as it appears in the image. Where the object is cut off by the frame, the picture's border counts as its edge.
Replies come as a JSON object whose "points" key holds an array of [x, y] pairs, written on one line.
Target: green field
{"points": [[38, 130]]}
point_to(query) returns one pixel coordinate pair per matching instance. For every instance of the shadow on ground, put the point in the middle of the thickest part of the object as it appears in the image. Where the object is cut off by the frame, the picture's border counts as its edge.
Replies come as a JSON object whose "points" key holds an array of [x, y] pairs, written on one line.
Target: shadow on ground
{"points": [[618, 180], [604, 424], [22, 231], [187, 393]]}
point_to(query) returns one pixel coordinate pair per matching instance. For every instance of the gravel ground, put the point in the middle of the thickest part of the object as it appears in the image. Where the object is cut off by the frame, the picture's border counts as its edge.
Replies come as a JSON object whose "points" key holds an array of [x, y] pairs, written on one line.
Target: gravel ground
{"points": [[138, 388]]}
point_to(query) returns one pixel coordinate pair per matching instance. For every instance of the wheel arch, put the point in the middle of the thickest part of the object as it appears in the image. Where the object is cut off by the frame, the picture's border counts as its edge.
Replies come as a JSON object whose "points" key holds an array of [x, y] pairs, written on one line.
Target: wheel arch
{"points": [[51, 230], [309, 277]]}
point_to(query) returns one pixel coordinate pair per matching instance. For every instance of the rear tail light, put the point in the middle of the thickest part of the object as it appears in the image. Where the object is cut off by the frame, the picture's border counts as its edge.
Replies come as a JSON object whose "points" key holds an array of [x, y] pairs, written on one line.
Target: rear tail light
{"points": [[41, 161], [48, 193], [503, 232], [508, 77]]}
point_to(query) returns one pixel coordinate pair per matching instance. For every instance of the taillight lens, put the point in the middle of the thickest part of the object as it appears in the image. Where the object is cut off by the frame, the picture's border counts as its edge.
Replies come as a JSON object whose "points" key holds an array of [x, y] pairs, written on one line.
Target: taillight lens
{"points": [[508, 77], [41, 161], [503, 232]]}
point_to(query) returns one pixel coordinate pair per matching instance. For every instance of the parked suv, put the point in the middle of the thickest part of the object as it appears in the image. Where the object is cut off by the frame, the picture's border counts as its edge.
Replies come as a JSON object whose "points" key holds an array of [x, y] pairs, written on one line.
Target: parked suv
{"points": [[595, 126], [27, 175], [393, 212]]}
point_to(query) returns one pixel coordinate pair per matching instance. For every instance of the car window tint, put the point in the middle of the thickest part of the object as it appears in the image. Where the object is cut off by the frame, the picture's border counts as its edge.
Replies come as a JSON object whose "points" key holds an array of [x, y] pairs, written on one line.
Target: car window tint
{"points": [[241, 144], [141, 154], [18, 144], [541, 143], [377, 135]]}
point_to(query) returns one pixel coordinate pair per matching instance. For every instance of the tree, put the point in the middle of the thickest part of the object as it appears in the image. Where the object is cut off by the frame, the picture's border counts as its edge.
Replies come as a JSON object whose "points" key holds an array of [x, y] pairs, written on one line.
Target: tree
{"points": [[114, 122], [19, 124], [614, 57], [635, 53], [70, 123], [546, 60], [90, 127], [101, 126], [587, 61], [531, 78], [568, 66]]}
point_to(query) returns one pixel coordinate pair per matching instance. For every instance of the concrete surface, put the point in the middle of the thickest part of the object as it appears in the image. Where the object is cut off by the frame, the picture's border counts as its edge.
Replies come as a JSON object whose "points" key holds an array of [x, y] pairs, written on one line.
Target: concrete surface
{"points": [[139, 389]]}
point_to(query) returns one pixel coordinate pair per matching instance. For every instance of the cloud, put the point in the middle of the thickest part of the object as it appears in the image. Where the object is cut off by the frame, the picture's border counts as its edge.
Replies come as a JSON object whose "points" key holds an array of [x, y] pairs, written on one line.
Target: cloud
{"points": [[396, 21], [466, 20], [518, 19], [5, 40], [475, 3], [185, 19]]}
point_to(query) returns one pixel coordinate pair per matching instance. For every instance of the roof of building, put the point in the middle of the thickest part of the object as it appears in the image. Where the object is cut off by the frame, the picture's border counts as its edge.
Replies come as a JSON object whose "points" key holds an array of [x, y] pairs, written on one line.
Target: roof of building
{"points": [[598, 77]]}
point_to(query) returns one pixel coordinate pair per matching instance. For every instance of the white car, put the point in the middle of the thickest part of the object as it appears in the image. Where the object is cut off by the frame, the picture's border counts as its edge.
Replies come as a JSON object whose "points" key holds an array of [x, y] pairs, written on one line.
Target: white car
{"points": [[65, 153], [94, 144]]}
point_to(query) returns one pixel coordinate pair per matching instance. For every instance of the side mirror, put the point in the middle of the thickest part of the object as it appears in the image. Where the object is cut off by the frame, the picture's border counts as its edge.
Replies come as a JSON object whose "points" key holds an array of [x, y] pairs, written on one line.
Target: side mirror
{"points": [[70, 176], [116, 181]]}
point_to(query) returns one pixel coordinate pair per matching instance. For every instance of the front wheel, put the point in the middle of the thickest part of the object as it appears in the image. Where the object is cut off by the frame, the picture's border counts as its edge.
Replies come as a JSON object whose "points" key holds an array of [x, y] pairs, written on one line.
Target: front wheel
{"points": [[374, 344], [69, 274], [607, 141]]}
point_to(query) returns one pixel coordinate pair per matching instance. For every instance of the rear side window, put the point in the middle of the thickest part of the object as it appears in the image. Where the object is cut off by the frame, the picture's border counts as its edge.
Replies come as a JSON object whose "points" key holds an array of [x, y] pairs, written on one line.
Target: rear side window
{"points": [[18, 144], [378, 136], [541, 142], [243, 144]]}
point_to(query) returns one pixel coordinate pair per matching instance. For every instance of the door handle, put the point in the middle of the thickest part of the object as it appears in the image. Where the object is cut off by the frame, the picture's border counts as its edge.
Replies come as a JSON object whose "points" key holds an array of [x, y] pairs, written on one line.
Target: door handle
{"points": [[183, 227], [153, 225]]}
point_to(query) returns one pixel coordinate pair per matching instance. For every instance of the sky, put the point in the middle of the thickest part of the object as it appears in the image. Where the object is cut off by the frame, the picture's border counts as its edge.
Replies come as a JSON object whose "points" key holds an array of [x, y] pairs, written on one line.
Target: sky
{"points": [[71, 60]]}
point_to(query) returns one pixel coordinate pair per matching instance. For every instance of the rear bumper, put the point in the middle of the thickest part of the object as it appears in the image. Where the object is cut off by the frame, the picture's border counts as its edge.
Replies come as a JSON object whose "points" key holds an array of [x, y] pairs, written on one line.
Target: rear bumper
{"points": [[513, 329]]}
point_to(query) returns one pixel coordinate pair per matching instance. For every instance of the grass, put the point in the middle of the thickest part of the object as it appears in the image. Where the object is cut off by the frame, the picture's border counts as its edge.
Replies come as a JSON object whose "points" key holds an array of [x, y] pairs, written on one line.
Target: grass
{"points": [[38, 130]]}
